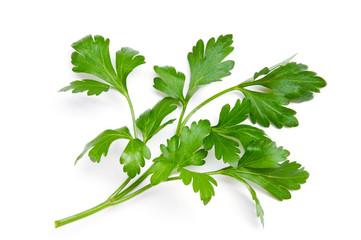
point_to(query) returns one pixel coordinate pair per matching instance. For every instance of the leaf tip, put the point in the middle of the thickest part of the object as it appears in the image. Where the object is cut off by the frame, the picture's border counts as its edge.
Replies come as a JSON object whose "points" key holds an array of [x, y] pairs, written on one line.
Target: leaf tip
{"points": [[206, 201], [78, 158], [62, 89]]}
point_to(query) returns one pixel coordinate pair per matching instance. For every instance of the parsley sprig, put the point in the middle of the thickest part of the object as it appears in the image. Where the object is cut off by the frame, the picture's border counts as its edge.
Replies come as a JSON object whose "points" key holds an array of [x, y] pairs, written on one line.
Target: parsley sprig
{"points": [[248, 153]]}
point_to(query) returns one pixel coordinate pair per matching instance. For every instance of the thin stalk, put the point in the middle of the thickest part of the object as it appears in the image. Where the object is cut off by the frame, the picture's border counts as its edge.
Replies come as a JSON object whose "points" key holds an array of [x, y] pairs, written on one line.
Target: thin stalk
{"points": [[204, 103], [81, 215], [181, 117], [172, 179], [133, 114], [110, 202], [99, 207], [117, 199], [126, 198], [219, 171], [132, 186], [125, 183]]}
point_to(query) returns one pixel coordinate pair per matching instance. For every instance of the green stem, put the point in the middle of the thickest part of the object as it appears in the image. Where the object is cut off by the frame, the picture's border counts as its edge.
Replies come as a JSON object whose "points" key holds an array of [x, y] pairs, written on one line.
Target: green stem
{"points": [[126, 198], [204, 103], [181, 118], [133, 115], [116, 199], [132, 186], [81, 215], [172, 179], [219, 171], [120, 188], [99, 207]]}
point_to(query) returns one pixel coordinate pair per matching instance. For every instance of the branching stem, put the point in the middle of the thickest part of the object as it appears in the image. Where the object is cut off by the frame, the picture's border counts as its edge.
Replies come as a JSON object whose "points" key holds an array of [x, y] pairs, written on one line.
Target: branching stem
{"points": [[114, 199], [125, 183], [119, 197], [204, 103]]}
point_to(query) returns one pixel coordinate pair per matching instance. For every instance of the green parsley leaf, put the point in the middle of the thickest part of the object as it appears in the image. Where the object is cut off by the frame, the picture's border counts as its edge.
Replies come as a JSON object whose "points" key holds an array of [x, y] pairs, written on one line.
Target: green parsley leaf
{"points": [[268, 107], [100, 145], [231, 117], [224, 148], [180, 155], [126, 61], [150, 122], [245, 134], [202, 183], [181, 151], [160, 171], [277, 181], [92, 56], [170, 82], [91, 86], [228, 128], [293, 80], [259, 209], [207, 65], [191, 138], [133, 157], [264, 71], [263, 154]]}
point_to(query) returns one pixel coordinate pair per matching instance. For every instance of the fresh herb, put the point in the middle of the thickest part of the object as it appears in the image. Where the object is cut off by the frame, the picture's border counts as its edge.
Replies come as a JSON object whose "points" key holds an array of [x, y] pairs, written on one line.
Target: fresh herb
{"points": [[248, 153]]}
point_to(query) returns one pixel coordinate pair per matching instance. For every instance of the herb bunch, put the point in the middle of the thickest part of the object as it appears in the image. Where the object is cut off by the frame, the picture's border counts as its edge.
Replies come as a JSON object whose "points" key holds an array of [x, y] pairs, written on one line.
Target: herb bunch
{"points": [[248, 153]]}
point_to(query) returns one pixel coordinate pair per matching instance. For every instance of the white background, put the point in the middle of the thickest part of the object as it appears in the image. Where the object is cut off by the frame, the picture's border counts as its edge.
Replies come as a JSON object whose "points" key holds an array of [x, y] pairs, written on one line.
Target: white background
{"points": [[42, 131]]}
